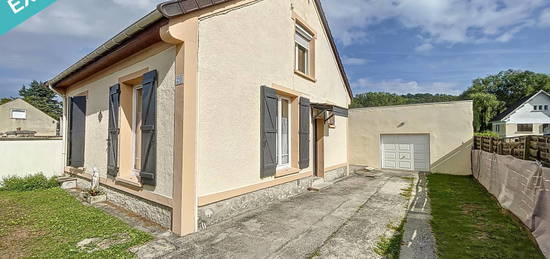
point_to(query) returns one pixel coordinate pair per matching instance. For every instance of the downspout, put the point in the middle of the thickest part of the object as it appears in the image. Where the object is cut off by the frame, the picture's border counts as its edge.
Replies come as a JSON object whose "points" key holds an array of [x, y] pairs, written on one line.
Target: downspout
{"points": [[63, 124]]}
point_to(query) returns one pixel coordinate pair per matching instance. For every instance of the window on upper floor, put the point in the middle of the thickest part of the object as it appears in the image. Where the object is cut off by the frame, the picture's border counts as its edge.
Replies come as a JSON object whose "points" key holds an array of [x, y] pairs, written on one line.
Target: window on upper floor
{"points": [[540, 107], [304, 51], [18, 114]]}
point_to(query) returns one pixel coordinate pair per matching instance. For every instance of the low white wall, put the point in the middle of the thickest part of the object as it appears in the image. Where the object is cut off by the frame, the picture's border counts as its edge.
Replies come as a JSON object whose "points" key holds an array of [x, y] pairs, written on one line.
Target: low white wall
{"points": [[30, 156]]}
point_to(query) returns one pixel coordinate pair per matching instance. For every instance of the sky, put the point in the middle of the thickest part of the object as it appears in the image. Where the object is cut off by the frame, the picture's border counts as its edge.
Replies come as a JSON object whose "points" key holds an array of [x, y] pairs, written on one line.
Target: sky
{"points": [[397, 46]]}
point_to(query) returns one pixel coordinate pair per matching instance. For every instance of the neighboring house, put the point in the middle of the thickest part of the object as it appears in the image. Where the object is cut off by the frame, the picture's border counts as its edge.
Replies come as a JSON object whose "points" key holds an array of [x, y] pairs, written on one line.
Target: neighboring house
{"points": [[204, 109], [433, 137], [19, 118], [528, 116]]}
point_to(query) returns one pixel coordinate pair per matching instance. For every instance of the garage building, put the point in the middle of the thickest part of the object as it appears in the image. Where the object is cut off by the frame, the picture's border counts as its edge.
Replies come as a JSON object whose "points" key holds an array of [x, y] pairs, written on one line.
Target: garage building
{"points": [[434, 137]]}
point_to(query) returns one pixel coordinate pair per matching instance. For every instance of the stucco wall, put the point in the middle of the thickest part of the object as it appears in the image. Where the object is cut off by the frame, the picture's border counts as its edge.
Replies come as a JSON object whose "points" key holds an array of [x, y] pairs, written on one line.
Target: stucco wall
{"points": [[237, 55], [24, 156], [97, 91], [449, 125], [37, 120]]}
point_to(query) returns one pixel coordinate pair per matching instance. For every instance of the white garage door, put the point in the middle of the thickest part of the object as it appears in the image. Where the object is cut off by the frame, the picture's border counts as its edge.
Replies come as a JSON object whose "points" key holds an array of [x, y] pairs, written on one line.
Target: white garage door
{"points": [[406, 152]]}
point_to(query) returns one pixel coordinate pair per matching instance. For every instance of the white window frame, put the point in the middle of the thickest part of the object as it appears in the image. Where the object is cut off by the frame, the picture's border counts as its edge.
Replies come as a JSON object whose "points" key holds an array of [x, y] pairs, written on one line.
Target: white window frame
{"points": [[134, 121], [280, 132], [20, 111], [300, 30], [497, 128]]}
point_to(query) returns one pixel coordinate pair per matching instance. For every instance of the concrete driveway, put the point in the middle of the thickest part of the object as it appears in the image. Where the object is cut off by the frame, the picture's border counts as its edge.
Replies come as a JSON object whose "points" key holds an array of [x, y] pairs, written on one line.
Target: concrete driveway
{"points": [[345, 220]]}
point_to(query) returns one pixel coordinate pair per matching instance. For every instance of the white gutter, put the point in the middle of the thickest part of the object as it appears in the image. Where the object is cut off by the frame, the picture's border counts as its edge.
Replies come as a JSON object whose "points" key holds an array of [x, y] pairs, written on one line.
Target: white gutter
{"points": [[110, 44]]}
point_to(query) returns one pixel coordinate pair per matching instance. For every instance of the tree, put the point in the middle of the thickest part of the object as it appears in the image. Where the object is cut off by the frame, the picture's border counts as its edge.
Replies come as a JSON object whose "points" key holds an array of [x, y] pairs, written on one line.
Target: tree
{"points": [[5, 100], [40, 96], [376, 99], [511, 85], [384, 99], [486, 107], [495, 93]]}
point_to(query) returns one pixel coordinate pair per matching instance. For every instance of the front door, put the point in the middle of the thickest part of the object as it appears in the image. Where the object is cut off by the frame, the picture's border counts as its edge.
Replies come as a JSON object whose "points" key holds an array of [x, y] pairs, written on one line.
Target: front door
{"points": [[319, 148]]}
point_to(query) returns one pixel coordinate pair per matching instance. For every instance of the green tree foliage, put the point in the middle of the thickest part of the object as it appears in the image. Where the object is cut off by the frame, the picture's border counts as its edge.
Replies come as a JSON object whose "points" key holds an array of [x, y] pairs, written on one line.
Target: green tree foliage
{"points": [[495, 93], [40, 96], [385, 99], [486, 107], [376, 99], [511, 85], [5, 100]]}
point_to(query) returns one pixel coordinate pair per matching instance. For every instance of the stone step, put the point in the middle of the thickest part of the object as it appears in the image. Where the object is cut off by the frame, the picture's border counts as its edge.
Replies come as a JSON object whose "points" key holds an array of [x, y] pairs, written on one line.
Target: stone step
{"points": [[319, 184], [318, 180], [67, 182]]}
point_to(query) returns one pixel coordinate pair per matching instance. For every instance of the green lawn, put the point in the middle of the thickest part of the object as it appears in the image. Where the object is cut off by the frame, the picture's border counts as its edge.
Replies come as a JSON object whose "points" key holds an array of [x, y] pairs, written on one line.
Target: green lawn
{"points": [[469, 223], [49, 223]]}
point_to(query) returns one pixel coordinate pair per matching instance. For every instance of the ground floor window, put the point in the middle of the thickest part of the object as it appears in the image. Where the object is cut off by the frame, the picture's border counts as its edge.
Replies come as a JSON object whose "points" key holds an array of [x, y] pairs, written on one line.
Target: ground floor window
{"points": [[283, 132], [525, 127], [136, 128]]}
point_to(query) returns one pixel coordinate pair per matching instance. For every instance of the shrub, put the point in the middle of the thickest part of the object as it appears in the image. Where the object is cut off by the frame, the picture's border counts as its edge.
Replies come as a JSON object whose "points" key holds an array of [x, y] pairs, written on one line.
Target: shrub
{"points": [[487, 134], [28, 183]]}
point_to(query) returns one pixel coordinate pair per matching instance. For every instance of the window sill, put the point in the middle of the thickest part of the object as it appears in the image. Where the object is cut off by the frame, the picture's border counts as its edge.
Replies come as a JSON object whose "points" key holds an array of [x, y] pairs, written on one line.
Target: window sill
{"points": [[128, 183], [305, 76], [286, 171]]}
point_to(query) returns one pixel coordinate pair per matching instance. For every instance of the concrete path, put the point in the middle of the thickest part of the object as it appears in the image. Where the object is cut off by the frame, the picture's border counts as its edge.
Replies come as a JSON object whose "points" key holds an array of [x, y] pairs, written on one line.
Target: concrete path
{"points": [[418, 239], [345, 220]]}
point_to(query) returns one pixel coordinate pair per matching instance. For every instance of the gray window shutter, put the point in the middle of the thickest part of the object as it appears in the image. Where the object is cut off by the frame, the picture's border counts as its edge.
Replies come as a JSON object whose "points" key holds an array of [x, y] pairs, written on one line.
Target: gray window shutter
{"points": [[113, 131], [304, 133], [77, 131], [148, 136], [268, 126]]}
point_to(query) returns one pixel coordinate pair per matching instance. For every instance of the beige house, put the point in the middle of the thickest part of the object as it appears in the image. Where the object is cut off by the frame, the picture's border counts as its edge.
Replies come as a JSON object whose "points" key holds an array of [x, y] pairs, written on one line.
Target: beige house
{"points": [[434, 137], [528, 116], [199, 111], [21, 116]]}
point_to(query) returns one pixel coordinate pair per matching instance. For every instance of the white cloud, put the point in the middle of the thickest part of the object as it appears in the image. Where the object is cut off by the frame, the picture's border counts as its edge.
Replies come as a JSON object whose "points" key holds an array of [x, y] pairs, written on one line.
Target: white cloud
{"points": [[424, 47], [544, 18], [60, 35], [88, 18], [354, 61], [442, 21], [400, 86]]}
